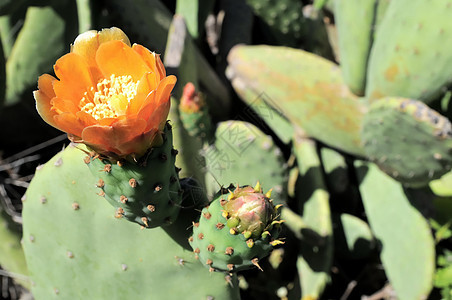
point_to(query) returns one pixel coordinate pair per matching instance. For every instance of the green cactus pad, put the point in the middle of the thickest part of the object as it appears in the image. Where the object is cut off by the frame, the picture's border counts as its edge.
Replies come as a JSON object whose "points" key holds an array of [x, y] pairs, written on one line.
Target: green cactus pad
{"points": [[39, 43], [146, 192], [408, 140], [307, 89], [218, 242], [355, 20], [408, 248], [76, 249], [243, 153], [414, 65], [315, 257], [284, 18]]}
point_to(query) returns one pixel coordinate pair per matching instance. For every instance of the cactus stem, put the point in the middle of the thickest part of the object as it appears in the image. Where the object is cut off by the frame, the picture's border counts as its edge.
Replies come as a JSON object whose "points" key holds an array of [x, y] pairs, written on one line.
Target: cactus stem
{"points": [[209, 262], [195, 224], [211, 248], [200, 236], [43, 200], [197, 250], [70, 254], [163, 157], [219, 225], [174, 152], [75, 206], [255, 261], [145, 221], [230, 267], [151, 207], [223, 202], [190, 239], [87, 159], [101, 193]]}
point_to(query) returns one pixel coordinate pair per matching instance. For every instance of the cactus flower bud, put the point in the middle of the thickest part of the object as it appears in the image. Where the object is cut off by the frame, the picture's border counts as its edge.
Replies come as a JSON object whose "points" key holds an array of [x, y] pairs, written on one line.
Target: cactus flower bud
{"points": [[251, 211]]}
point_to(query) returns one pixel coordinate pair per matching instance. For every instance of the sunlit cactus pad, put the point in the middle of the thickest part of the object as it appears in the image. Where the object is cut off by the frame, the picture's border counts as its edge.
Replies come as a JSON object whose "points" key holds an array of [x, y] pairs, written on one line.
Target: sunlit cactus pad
{"points": [[236, 230], [408, 140], [76, 249]]}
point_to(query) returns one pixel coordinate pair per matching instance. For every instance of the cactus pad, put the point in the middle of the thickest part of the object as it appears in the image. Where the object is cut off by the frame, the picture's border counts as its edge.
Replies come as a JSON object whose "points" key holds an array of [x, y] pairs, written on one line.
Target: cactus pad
{"points": [[414, 65], [408, 140], [243, 153], [307, 89], [76, 249], [147, 192], [236, 230]]}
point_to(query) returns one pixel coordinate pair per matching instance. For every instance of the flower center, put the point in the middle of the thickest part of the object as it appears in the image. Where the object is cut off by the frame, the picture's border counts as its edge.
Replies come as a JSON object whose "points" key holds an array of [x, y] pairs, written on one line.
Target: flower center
{"points": [[110, 97]]}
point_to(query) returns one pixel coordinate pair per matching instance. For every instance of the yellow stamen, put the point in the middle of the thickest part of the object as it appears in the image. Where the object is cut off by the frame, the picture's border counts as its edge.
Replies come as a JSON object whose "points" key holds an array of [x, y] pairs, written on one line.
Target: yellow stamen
{"points": [[110, 98]]}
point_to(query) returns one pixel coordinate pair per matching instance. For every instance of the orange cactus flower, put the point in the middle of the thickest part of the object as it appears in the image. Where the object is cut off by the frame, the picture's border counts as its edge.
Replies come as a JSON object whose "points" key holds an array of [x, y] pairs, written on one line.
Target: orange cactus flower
{"points": [[109, 95]]}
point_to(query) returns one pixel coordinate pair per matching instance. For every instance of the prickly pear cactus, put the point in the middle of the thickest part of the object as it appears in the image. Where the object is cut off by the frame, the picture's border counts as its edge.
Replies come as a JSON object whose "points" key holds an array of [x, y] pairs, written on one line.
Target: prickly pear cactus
{"points": [[408, 140], [237, 229], [75, 248], [147, 192], [414, 65], [284, 18]]}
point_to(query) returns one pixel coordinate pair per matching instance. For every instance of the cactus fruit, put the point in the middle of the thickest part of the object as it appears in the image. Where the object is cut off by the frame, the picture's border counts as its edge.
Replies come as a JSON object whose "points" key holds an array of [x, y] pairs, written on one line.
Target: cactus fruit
{"points": [[147, 192], [237, 229], [408, 140], [194, 114]]}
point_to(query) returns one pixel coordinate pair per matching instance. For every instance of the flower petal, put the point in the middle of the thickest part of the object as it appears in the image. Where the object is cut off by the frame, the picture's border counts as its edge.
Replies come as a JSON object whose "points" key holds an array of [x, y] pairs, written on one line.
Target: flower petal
{"points": [[75, 78], [164, 89], [152, 60], [140, 144], [69, 123], [44, 108], [43, 97], [112, 137], [117, 58], [60, 106], [148, 83], [156, 107], [87, 43], [45, 85]]}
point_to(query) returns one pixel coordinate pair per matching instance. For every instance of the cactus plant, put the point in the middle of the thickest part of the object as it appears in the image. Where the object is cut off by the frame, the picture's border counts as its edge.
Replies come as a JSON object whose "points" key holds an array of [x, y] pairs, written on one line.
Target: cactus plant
{"points": [[348, 144]]}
